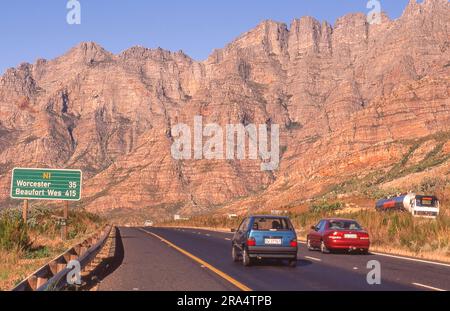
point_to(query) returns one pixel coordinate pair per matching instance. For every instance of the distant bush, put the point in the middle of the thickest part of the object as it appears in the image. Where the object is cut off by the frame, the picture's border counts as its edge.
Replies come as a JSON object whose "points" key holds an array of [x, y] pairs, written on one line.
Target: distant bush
{"points": [[431, 185], [13, 233], [377, 193], [326, 207], [294, 126], [38, 253]]}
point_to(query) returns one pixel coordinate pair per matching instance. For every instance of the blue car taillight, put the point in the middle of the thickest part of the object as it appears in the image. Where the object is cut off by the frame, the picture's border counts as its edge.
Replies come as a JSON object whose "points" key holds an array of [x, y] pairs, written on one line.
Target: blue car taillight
{"points": [[251, 242], [294, 243]]}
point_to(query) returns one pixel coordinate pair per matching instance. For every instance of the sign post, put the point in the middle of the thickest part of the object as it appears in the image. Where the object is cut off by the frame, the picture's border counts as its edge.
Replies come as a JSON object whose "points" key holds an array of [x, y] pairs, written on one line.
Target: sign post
{"points": [[46, 184], [66, 216], [25, 212]]}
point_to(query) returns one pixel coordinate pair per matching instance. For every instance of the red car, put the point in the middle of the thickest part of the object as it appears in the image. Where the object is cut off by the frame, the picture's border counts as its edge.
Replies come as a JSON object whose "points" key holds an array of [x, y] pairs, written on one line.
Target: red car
{"points": [[338, 234]]}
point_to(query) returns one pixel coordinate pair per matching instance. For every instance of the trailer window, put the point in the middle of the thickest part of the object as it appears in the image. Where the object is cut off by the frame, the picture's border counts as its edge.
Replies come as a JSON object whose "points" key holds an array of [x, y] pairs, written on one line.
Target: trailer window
{"points": [[427, 201]]}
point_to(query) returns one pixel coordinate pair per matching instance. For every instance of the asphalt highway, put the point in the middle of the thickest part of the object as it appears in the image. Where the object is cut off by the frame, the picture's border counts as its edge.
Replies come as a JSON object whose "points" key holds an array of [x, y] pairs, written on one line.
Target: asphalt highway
{"points": [[196, 260]]}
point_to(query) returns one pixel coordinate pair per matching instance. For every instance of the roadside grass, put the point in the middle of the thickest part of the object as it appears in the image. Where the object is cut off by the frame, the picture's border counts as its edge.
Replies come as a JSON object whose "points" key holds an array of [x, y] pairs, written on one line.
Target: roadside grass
{"points": [[392, 230], [25, 248]]}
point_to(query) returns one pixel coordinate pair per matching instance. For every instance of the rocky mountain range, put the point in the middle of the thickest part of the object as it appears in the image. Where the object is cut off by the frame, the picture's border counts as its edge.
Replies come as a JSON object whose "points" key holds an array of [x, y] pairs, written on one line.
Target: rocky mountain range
{"points": [[351, 100]]}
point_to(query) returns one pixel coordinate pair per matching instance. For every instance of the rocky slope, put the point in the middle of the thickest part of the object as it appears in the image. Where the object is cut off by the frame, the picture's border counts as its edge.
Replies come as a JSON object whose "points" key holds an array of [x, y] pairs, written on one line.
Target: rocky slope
{"points": [[347, 97]]}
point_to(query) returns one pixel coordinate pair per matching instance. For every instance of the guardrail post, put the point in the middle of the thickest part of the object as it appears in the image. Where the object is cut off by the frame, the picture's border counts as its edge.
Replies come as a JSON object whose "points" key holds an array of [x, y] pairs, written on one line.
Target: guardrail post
{"points": [[66, 256], [40, 282], [61, 267], [32, 281], [53, 267], [77, 249], [83, 250]]}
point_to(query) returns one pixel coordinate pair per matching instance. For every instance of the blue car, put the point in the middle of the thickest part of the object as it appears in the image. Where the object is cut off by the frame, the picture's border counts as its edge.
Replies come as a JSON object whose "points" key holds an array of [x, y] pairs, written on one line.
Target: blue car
{"points": [[260, 237]]}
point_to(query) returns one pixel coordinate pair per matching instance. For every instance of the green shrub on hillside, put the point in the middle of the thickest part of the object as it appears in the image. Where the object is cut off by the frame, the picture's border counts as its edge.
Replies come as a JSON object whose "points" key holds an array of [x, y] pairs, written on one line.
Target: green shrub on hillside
{"points": [[13, 233], [432, 185], [326, 207]]}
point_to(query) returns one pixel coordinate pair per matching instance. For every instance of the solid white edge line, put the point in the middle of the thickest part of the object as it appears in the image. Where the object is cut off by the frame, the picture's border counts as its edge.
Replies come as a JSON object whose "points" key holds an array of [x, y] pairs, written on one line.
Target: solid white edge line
{"points": [[313, 258], [404, 258], [429, 287], [413, 259]]}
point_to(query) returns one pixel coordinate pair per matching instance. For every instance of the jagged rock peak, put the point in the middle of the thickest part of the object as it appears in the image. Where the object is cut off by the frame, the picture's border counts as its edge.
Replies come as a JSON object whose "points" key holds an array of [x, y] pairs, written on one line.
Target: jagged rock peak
{"points": [[307, 34], [270, 34], [21, 72], [142, 53], [415, 8], [350, 20], [89, 52]]}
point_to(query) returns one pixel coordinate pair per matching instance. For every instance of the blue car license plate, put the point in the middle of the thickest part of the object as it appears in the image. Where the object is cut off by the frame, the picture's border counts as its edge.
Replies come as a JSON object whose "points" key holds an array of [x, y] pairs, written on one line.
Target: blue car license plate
{"points": [[272, 241]]}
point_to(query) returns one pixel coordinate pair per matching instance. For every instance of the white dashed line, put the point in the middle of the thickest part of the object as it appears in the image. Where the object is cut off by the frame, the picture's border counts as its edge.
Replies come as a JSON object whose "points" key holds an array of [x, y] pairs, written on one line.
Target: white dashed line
{"points": [[429, 287], [313, 258]]}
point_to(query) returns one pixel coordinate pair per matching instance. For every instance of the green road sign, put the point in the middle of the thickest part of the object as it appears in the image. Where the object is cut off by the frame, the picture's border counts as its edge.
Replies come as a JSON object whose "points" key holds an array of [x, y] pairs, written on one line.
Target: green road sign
{"points": [[46, 184]]}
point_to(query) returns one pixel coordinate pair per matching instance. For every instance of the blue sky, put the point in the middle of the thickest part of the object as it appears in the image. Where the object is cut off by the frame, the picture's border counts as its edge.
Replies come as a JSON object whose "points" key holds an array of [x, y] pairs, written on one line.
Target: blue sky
{"points": [[38, 29]]}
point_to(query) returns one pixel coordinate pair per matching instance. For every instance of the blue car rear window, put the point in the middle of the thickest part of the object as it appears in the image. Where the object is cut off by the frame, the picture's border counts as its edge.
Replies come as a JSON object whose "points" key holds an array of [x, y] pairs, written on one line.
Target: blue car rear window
{"points": [[271, 224]]}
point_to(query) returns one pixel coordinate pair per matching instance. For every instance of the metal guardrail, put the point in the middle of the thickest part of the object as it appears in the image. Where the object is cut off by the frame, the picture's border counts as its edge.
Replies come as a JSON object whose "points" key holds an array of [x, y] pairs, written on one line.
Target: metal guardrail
{"points": [[53, 276]]}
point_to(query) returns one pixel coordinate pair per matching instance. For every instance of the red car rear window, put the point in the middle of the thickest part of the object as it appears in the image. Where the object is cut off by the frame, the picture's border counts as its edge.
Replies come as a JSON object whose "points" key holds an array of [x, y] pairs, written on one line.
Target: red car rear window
{"points": [[344, 225]]}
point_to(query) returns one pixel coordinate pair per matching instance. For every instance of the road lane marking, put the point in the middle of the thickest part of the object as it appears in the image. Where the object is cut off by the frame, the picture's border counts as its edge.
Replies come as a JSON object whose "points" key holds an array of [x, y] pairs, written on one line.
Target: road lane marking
{"points": [[388, 255], [202, 262], [313, 258], [429, 287], [404, 258], [413, 259]]}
